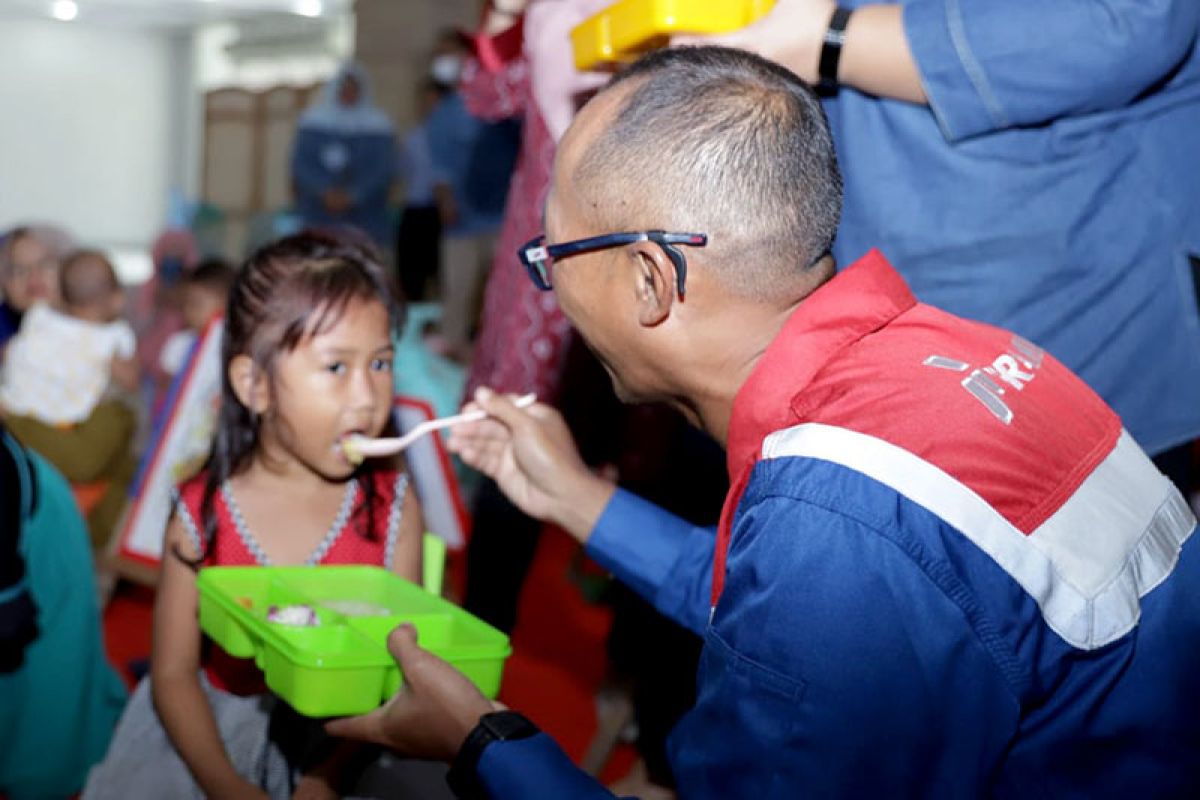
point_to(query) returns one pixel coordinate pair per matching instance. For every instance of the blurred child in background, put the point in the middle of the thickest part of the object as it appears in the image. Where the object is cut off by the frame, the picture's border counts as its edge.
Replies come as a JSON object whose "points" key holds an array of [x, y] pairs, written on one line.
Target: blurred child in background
{"points": [[204, 292]]}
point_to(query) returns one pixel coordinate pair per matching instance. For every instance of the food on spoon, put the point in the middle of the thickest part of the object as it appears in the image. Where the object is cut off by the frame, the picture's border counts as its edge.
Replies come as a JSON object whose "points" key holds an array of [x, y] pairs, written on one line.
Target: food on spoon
{"points": [[352, 447]]}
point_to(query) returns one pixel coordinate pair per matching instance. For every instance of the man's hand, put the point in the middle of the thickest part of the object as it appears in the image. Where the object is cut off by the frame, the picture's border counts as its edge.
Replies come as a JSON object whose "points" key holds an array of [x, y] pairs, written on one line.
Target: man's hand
{"points": [[791, 34], [530, 454], [432, 713]]}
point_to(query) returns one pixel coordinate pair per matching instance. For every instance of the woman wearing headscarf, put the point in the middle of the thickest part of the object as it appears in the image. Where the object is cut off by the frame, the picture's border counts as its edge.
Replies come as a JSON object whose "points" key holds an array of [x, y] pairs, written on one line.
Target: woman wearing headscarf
{"points": [[343, 160]]}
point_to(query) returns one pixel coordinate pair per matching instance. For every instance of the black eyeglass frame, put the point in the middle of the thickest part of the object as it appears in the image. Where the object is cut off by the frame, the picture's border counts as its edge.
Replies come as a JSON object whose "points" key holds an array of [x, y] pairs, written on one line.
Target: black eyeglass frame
{"points": [[536, 253]]}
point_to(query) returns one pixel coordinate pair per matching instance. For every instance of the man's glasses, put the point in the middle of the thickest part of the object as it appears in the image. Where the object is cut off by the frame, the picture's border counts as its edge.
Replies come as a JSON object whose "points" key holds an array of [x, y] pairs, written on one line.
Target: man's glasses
{"points": [[538, 257]]}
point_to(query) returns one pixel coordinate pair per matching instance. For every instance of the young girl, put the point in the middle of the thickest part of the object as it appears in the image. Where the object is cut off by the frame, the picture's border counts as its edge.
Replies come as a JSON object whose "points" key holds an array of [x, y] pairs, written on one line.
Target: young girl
{"points": [[307, 358]]}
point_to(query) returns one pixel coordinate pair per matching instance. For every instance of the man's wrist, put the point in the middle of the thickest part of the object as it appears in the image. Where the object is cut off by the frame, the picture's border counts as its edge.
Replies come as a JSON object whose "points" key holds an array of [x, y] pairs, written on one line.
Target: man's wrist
{"points": [[495, 726], [832, 41], [810, 39], [582, 505]]}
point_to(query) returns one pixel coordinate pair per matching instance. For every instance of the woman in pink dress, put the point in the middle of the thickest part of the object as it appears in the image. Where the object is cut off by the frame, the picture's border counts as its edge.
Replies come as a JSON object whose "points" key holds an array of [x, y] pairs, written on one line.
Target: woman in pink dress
{"points": [[523, 68]]}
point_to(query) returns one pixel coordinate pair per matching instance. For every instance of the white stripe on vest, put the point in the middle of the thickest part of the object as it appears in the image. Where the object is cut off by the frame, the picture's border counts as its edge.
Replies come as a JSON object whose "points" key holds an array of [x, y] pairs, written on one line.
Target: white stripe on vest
{"points": [[1087, 566]]}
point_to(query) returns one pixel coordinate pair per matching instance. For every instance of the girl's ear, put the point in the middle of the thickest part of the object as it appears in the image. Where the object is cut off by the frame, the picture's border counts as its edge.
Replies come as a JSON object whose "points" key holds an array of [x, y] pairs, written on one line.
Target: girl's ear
{"points": [[249, 384]]}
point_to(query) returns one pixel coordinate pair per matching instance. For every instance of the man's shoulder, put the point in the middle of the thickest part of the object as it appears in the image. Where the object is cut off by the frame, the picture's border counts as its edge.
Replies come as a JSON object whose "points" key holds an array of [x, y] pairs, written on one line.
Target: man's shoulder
{"points": [[799, 501], [985, 407]]}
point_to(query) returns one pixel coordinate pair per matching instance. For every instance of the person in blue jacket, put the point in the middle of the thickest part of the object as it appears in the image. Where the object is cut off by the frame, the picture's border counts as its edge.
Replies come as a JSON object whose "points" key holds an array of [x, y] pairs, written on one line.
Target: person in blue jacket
{"points": [[944, 569], [59, 696], [1032, 165], [344, 158]]}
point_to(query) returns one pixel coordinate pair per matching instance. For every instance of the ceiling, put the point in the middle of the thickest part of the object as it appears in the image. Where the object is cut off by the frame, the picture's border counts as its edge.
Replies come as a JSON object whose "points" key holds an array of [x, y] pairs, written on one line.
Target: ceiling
{"points": [[171, 13]]}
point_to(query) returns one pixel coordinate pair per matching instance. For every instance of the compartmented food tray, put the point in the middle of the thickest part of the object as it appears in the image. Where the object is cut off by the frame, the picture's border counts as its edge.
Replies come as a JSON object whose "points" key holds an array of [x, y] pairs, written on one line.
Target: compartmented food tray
{"points": [[340, 665], [629, 28]]}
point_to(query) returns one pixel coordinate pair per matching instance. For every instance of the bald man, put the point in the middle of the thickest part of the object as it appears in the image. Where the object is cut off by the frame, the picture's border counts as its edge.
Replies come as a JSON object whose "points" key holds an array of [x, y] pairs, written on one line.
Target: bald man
{"points": [[944, 568]]}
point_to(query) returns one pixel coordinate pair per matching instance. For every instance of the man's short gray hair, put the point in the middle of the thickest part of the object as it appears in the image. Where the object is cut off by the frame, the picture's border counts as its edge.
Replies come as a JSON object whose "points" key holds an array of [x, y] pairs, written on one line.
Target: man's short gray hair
{"points": [[722, 142]]}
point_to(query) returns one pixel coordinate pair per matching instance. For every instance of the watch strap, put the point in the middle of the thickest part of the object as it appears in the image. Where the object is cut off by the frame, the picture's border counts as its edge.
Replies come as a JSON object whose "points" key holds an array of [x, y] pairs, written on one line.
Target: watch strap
{"points": [[497, 726], [831, 48]]}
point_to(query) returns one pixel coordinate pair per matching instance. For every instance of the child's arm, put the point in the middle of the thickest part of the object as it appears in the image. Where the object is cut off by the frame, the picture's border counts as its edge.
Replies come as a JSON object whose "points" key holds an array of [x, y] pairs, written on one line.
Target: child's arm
{"points": [[406, 561], [175, 660]]}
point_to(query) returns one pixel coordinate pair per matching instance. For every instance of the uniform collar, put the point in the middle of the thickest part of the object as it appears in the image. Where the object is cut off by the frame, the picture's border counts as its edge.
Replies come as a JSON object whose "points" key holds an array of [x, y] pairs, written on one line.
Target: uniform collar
{"points": [[856, 302]]}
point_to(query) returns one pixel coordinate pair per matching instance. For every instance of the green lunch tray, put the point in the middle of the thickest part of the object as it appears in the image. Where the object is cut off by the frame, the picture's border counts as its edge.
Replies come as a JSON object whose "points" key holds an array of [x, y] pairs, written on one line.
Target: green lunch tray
{"points": [[340, 666]]}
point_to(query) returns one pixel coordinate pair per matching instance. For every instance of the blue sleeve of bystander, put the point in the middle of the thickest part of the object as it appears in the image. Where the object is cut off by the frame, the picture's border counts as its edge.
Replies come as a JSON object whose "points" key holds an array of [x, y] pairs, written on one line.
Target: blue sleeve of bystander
{"points": [[988, 66]]}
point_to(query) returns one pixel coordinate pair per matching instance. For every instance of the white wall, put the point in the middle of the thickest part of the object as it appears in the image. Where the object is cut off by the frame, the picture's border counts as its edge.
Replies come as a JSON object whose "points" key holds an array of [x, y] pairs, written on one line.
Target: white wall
{"points": [[100, 123], [86, 139]]}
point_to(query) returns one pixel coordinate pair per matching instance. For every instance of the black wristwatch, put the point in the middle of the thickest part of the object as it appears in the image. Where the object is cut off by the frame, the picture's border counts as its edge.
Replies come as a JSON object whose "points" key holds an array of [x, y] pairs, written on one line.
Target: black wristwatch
{"points": [[497, 726], [831, 50]]}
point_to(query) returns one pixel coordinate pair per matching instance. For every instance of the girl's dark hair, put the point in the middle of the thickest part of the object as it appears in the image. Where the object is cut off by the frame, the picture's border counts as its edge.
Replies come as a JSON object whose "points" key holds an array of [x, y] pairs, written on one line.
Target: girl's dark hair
{"points": [[286, 292]]}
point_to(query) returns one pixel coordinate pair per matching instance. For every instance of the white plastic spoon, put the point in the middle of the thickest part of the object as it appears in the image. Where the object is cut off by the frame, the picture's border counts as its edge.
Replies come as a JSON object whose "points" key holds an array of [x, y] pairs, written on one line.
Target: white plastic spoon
{"points": [[357, 447]]}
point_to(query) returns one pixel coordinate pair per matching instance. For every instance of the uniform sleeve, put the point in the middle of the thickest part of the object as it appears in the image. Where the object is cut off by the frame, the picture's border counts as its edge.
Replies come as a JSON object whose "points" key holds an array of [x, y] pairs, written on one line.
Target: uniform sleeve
{"points": [[988, 65], [535, 767], [839, 665], [662, 557]]}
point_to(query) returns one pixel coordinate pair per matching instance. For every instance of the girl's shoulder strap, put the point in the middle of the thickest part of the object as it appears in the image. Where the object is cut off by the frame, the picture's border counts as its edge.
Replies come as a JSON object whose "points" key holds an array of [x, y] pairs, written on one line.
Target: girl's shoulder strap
{"points": [[187, 500], [388, 482], [391, 485], [389, 524], [369, 536]]}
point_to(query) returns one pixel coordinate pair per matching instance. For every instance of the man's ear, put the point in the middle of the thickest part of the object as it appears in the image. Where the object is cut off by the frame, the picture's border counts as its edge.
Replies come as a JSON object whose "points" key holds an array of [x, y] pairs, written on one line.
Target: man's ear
{"points": [[656, 281], [249, 384]]}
